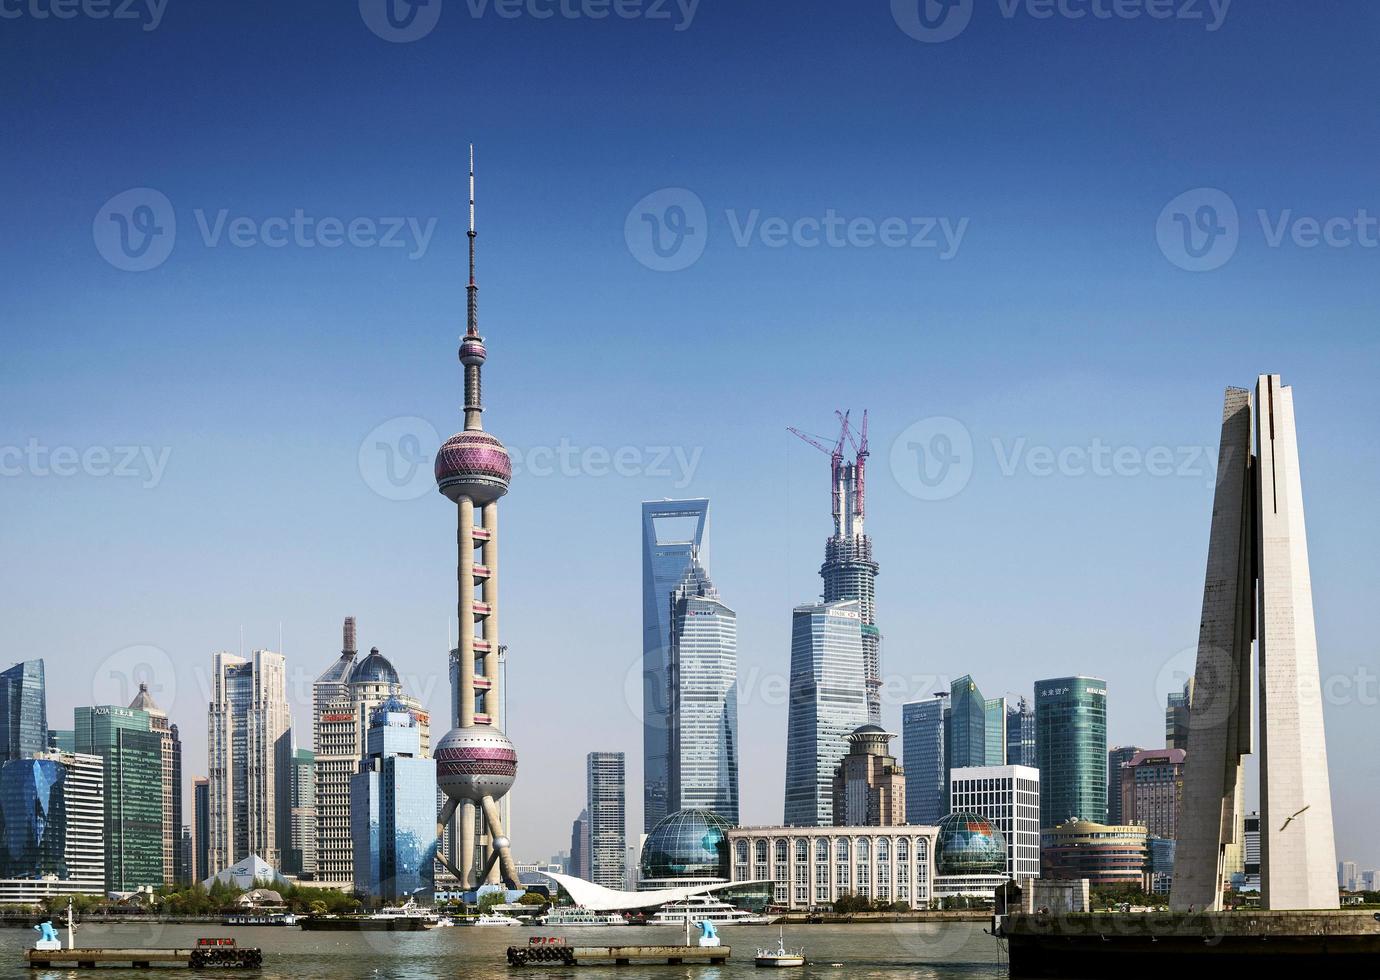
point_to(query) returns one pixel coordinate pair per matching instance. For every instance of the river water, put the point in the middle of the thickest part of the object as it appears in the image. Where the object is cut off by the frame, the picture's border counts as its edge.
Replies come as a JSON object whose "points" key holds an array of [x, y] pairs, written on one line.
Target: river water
{"points": [[858, 952]]}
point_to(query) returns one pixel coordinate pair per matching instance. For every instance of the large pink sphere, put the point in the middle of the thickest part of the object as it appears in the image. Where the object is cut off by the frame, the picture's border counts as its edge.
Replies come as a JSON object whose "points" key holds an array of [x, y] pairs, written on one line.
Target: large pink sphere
{"points": [[472, 763], [473, 464]]}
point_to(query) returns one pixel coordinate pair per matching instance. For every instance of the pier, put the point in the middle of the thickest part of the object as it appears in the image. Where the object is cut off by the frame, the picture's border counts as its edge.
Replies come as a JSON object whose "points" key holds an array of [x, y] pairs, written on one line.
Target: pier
{"points": [[562, 954], [198, 957]]}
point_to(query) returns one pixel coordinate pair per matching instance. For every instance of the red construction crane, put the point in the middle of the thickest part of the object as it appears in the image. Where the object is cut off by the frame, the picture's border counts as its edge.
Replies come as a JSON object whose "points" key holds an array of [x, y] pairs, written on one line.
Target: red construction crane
{"points": [[860, 448]]}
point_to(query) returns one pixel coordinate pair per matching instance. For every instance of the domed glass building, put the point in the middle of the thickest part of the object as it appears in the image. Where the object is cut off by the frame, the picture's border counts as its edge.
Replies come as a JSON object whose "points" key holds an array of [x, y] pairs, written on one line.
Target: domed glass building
{"points": [[969, 856], [686, 846]]}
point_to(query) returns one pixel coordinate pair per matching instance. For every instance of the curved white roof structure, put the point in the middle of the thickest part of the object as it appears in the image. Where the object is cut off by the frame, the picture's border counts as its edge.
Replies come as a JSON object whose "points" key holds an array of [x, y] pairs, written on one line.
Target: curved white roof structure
{"points": [[597, 898]]}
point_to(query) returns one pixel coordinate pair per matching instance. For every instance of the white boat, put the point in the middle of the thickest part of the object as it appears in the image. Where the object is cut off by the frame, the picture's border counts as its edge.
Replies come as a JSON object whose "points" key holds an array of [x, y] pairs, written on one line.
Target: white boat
{"points": [[581, 916], [780, 956], [488, 919], [705, 908]]}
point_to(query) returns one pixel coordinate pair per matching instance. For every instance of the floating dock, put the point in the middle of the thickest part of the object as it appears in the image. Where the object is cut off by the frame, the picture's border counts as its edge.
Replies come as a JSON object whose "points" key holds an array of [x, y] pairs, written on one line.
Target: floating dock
{"points": [[562, 954], [222, 957]]}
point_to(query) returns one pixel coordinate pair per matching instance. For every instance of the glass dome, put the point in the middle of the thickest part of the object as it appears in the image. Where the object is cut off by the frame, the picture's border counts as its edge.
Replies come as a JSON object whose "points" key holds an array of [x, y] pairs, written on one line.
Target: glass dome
{"points": [[374, 669], [687, 844], [969, 845]]}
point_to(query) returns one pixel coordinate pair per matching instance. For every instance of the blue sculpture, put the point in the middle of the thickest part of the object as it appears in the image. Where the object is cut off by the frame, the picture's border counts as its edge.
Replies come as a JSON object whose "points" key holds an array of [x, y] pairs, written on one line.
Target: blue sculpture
{"points": [[707, 931], [46, 932]]}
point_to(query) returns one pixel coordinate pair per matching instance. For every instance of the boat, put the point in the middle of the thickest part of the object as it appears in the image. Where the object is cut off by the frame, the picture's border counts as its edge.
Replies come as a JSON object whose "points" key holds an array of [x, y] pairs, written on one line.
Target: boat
{"points": [[780, 956], [408, 917], [261, 919], [488, 919], [580, 916], [705, 908]]}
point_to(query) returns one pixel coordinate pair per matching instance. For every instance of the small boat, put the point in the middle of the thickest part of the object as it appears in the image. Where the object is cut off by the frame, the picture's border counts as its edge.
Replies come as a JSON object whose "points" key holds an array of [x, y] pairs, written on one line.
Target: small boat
{"points": [[780, 956], [488, 919]]}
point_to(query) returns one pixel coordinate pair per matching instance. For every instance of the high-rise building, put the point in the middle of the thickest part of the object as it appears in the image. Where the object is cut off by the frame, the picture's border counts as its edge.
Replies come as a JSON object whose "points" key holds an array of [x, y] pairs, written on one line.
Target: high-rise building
{"points": [[84, 800], [52, 827], [476, 763], [1348, 876], [922, 750], [1020, 735], [250, 755], [994, 721], [828, 701], [607, 818], [967, 739], [1071, 747], [1152, 791], [869, 787], [171, 746], [1250, 872], [1116, 757], [1176, 716], [23, 711], [132, 756], [302, 849], [1258, 586], [579, 845], [393, 808], [342, 711], [672, 531], [62, 740], [1008, 796], [201, 828], [703, 678], [186, 855]]}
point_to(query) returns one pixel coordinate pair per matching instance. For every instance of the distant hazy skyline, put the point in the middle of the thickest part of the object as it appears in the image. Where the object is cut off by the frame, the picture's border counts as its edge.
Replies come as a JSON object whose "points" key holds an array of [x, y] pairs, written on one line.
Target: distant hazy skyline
{"points": [[974, 239]]}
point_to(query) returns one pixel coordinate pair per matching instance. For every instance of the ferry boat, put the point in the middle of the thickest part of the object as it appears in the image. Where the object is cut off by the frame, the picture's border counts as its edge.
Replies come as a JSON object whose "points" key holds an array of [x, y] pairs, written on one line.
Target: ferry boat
{"points": [[581, 916], [705, 908], [489, 919]]}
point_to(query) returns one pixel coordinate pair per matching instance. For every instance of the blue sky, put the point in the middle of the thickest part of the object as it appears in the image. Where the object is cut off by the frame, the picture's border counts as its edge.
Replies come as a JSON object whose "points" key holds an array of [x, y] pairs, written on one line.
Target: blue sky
{"points": [[251, 365]]}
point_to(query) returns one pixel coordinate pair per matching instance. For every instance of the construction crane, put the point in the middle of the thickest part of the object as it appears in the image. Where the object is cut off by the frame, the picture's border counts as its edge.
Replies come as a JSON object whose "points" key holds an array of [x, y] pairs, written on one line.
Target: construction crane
{"points": [[835, 454], [860, 450]]}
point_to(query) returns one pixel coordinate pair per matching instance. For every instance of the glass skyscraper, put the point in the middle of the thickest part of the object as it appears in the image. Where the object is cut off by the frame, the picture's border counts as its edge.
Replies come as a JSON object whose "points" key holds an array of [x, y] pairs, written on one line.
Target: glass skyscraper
{"points": [[1071, 745], [828, 701], [994, 723], [922, 753], [1020, 735], [393, 808], [33, 819], [672, 530], [1176, 717], [1116, 758], [23, 711], [132, 753], [607, 808], [703, 675], [967, 739]]}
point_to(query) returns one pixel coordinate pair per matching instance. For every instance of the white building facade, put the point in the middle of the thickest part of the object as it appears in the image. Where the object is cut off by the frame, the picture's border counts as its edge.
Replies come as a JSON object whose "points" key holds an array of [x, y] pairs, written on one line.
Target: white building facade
{"points": [[1009, 796]]}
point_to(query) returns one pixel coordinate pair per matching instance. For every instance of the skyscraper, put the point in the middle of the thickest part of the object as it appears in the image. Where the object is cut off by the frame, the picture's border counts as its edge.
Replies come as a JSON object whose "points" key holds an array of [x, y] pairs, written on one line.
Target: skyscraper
{"points": [[1258, 586], [579, 845], [994, 727], [672, 531], [1009, 796], [828, 701], [52, 827], [393, 808], [1176, 717], [201, 828], [1020, 735], [302, 849], [1116, 756], [922, 750], [703, 679], [171, 745], [132, 756], [1151, 791], [607, 818], [967, 742], [23, 711], [250, 753], [476, 763], [1071, 744], [869, 787]]}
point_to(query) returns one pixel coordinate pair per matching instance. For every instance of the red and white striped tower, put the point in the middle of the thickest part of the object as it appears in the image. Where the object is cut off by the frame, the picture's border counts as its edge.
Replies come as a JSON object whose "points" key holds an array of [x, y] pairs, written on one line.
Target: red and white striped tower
{"points": [[475, 762]]}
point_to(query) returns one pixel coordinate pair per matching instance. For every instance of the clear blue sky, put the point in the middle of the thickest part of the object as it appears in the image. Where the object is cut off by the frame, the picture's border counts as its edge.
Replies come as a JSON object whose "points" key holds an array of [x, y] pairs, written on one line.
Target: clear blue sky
{"points": [[1059, 321]]}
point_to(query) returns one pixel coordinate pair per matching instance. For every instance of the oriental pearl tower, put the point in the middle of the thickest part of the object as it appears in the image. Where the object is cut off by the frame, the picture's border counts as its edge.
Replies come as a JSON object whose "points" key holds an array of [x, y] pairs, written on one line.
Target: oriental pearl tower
{"points": [[475, 762]]}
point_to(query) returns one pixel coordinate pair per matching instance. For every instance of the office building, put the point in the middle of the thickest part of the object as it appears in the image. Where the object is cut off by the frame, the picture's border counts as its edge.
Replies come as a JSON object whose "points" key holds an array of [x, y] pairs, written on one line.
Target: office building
{"points": [[1008, 796], [1071, 748], [578, 864], [1348, 876], [132, 756], [52, 827], [301, 859], [994, 722], [249, 743], [1176, 717], [1020, 735], [812, 867], [1105, 855], [201, 828], [1116, 757], [1248, 880], [869, 787], [1258, 586], [922, 750], [703, 678], [607, 818], [62, 740], [672, 530], [23, 711], [828, 701], [393, 809], [1152, 791], [967, 739], [171, 746]]}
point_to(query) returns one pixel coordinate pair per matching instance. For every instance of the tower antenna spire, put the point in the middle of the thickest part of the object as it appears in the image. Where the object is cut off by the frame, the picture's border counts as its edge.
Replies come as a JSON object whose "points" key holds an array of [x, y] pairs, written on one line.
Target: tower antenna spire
{"points": [[472, 307]]}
